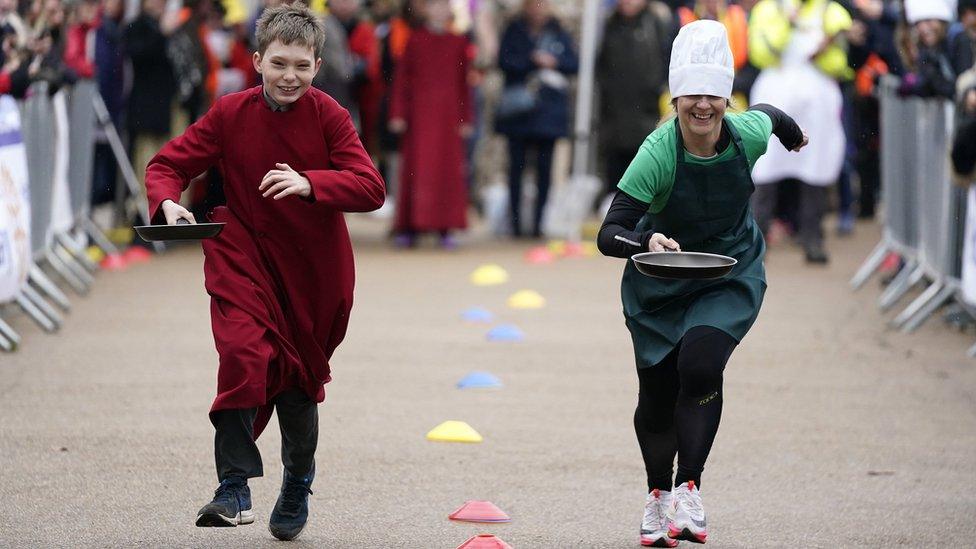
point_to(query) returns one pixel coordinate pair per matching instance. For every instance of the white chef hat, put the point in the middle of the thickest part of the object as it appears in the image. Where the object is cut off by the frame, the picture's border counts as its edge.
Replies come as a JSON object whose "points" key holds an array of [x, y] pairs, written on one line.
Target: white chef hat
{"points": [[701, 61], [920, 10]]}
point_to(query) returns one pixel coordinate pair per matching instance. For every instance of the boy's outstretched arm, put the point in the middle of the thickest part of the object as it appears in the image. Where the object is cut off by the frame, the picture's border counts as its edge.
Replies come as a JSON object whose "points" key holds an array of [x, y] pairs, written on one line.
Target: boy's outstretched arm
{"points": [[182, 159], [353, 184]]}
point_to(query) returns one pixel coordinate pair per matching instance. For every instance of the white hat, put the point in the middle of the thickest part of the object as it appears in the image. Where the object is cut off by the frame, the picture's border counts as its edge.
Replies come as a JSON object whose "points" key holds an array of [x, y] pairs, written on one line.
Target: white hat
{"points": [[701, 61], [920, 10]]}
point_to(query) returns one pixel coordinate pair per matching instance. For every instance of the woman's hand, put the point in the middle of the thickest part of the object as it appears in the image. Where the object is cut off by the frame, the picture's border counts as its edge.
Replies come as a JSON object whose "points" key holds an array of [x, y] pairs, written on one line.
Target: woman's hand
{"points": [[283, 182], [804, 143], [660, 243], [174, 212]]}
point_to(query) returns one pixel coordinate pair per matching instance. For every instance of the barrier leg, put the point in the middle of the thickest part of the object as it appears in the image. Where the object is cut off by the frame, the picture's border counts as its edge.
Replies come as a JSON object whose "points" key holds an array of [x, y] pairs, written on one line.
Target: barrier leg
{"points": [[35, 313], [44, 306], [6, 344], [915, 306], [971, 353], [65, 273], [77, 252], [37, 276], [870, 265], [8, 333], [928, 309], [98, 237], [909, 275], [75, 267]]}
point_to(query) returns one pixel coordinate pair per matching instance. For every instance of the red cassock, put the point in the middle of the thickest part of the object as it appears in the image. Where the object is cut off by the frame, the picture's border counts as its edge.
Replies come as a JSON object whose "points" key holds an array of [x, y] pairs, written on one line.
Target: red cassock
{"points": [[431, 93], [280, 275]]}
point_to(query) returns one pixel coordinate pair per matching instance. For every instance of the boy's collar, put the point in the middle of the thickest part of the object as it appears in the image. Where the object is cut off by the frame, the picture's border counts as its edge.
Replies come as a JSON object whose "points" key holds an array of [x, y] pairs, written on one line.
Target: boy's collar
{"points": [[272, 104]]}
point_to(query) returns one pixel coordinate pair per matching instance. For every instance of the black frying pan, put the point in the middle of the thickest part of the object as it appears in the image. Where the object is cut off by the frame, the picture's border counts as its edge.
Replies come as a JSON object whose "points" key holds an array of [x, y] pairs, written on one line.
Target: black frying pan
{"points": [[183, 230], [683, 265]]}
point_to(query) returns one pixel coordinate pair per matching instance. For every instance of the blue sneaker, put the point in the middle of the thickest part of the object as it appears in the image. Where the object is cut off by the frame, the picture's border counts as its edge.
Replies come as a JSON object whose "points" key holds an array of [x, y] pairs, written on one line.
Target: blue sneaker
{"points": [[231, 505], [291, 511]]}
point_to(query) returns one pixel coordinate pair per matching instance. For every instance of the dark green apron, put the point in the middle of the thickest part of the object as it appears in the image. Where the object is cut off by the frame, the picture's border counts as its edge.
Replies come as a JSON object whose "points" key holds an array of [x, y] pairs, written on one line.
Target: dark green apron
{"points": [[708, 211]]}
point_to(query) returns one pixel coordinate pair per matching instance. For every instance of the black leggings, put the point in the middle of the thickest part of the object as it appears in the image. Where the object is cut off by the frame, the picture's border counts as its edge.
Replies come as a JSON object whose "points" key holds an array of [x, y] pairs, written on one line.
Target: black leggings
{"points": [[680, 405]]}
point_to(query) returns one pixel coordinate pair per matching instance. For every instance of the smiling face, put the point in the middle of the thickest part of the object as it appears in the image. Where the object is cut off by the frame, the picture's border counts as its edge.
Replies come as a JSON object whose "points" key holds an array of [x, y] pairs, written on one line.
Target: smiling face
{"points": [[701, 114], [287, 70]]}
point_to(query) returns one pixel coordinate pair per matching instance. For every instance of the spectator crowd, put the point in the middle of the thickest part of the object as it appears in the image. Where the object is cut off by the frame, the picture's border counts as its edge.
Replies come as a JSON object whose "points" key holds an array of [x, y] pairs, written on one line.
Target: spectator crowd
{"points": [[432, 84]]}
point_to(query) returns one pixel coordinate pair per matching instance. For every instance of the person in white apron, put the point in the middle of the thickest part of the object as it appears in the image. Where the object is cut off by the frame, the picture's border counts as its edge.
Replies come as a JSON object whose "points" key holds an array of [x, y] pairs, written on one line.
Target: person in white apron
{"points": [[802, 90]]}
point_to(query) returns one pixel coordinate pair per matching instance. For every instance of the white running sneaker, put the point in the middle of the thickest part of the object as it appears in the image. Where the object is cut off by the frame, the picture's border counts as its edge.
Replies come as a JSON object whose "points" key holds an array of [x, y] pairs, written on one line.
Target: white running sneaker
{"points": [[654, 527], [688, 517]]}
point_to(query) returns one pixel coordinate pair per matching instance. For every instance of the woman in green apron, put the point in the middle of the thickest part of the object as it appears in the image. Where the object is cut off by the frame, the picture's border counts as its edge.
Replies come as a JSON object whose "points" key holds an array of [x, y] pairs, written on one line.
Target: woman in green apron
{"points": [[688, 189]]}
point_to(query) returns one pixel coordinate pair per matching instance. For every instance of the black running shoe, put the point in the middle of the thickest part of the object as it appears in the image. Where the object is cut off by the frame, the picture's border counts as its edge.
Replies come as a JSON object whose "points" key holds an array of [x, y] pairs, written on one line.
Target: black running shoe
{"points": [[291, 511], [231, 505]]}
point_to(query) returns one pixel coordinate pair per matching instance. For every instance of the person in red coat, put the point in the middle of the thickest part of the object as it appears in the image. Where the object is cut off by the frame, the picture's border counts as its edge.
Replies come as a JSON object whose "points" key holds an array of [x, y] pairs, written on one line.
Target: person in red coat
{"points": [[367, 74], [431, 106], [280, 275]]}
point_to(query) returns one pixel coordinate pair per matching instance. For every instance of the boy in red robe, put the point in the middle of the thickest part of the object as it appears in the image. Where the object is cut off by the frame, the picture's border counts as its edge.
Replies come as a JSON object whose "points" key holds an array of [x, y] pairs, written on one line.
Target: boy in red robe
{"points": [[280, 275], [431, 105]]}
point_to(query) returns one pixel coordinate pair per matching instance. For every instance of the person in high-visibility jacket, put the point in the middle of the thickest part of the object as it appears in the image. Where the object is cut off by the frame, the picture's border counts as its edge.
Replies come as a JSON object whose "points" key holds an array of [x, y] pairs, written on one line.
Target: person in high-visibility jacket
{"points": [[734, 18], [771, 26], [800, 45]]}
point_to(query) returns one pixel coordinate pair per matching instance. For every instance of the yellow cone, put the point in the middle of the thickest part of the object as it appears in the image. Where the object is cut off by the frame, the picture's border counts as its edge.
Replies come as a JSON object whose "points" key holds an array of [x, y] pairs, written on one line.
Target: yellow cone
{"points": [[557, 247], [589, 248], [454, 431], [95, 254], [489, 275], [526, 299]]}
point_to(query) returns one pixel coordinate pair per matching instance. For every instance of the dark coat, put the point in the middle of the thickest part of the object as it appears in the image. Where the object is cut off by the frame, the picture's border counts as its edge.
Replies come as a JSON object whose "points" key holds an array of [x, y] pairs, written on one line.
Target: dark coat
{"points": [[153, 84], [632, 71], [109, 63], [550, 119]]}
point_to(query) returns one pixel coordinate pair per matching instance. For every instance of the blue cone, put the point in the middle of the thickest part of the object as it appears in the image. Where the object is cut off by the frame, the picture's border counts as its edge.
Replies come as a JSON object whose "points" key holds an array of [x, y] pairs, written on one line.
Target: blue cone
{"points": [[479, 380], [505, 332], [477, 314]]}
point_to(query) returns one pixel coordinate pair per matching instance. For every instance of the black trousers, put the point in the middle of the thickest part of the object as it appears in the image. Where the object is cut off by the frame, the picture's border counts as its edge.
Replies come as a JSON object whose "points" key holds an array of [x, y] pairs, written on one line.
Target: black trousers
{"points": [[237, 454], [517, 150], [813, 205], [680, 405]]}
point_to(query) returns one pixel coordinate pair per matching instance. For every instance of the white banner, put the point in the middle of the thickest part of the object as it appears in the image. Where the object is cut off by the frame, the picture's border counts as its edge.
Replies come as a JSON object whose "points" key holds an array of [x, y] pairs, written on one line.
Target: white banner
{"points": [[15, 252], [969, 250]]}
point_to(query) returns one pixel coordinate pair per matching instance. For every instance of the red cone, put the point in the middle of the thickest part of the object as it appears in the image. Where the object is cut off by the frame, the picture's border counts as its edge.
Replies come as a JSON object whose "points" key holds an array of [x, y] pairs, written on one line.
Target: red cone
{"points": [[479, 511], [484, 541], [539, 255], [137, 254], [113, 262]]}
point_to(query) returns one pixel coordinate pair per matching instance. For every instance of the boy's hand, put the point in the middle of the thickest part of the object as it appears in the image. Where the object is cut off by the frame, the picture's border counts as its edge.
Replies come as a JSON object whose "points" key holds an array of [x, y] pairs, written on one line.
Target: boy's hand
{"points": [[283, 182], [466, 130], [173, 212]]}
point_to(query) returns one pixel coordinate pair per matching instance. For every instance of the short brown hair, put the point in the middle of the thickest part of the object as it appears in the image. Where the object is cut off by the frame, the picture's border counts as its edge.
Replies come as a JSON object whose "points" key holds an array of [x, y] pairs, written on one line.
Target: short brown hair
{"points": [[290, 24]]}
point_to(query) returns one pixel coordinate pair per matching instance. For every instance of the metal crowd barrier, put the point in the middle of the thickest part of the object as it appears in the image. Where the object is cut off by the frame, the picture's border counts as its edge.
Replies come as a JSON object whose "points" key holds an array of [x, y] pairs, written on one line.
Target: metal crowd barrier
{"points": [[924, 212], [59, 142]]}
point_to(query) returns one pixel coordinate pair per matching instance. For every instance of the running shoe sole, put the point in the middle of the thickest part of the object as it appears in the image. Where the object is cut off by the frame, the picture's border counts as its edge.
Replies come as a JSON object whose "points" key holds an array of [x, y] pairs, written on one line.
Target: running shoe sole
{"points": [[216, 520], [663, 541], [283, 536], [686, 534]]}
